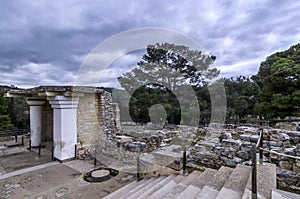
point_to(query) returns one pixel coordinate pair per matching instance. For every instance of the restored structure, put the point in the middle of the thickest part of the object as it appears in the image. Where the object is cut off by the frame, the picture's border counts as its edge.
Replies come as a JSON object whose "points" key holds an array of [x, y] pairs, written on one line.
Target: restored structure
{"points": [[73, 118]]}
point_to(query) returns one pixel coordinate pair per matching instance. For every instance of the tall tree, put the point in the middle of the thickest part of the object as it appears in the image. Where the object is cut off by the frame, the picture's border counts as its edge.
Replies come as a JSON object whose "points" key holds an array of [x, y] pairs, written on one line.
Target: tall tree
{"points": [[279, 79], [169, 68], [5, 120], [242, 95]]}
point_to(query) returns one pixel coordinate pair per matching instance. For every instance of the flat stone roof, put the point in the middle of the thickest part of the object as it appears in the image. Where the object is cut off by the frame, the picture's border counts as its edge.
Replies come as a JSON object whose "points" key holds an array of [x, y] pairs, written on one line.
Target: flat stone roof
{"points": [[52, 91]]}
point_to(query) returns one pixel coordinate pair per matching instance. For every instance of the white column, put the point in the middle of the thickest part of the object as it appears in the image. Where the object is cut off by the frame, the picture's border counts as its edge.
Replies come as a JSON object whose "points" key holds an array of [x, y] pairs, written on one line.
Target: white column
{"points": [[35, 120], [64, 126]]}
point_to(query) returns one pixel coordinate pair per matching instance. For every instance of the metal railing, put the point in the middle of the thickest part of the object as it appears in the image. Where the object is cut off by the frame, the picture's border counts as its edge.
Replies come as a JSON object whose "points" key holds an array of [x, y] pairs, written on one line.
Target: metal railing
{"points": [[254, 148], [14, 133]]}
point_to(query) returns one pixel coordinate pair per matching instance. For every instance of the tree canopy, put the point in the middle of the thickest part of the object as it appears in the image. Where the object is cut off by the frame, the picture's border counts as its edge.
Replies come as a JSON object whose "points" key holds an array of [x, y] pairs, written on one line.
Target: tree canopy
{"points": [[164, 70], [278, 77], [171, 66], [12, 112], [273, 92]]}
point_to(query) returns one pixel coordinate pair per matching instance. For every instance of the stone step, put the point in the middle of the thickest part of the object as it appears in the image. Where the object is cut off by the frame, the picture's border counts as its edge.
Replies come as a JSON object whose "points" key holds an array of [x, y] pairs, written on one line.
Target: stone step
{"points": [[248, 195], [179, 178], [206, 177], [191, 192], [141, 187], [182, 182], [219, 178], [154, 187], [187, 180], [234, 187], [279, 194], [159, 194], [176, 191], [214, 184], [127, 188], [118, 193], [266, 180], [208, 193]]}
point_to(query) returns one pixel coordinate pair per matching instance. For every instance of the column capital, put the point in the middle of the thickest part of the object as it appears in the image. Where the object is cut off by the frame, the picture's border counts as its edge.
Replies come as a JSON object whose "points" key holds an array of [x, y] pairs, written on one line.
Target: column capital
{"points": [[62, 102], [35, 101]]}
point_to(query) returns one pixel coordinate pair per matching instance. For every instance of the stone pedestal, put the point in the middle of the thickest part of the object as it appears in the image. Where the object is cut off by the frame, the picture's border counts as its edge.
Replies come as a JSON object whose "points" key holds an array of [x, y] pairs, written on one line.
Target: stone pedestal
{"points": [[64, 126], [35, 120]]}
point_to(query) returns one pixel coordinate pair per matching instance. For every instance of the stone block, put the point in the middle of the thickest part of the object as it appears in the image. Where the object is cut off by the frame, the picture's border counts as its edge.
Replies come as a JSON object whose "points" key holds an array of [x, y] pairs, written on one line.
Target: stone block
{"points": [[286, 165], [231, 143]]}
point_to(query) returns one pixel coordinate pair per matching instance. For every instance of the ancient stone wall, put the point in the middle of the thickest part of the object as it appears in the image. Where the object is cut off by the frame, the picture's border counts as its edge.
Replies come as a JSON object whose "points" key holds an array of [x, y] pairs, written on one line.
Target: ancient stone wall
{"points": [[89, 126], [95, 122], [234, 148]]}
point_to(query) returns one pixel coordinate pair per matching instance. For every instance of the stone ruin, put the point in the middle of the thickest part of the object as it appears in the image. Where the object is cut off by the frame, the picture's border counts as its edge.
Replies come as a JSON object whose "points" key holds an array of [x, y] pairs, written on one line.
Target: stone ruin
{"points": [[74, 118], [93, 126], [234, 147]]}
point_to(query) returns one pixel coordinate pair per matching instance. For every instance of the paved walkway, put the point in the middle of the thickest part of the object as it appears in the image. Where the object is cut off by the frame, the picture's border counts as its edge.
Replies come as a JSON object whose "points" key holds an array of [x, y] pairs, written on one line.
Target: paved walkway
{"points": [[57, 180], [25, 174]]}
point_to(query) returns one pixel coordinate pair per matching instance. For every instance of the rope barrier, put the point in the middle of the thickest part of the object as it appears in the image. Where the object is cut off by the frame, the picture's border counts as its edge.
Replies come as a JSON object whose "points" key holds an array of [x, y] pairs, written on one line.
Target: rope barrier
{"points": [[281, 154]]}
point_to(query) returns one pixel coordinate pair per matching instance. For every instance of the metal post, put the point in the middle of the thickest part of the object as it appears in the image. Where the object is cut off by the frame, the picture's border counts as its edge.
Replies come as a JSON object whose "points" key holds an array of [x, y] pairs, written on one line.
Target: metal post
{"points": [[261, 146], [52, 152], [254, 171], [138, 169], [95, 162], [40, 146], [75, 151], [29, 145], [22, 140], [16, 137], [184, 161]]}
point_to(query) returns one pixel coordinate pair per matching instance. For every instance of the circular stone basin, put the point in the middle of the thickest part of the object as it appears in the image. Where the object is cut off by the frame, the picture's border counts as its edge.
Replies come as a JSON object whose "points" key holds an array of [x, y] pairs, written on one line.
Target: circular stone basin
{"points": [[100, 174]]}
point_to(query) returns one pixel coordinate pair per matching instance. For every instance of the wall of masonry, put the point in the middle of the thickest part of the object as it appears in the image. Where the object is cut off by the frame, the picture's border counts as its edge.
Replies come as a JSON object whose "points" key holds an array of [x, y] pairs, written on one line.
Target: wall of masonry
{"points": [[95, 122]]}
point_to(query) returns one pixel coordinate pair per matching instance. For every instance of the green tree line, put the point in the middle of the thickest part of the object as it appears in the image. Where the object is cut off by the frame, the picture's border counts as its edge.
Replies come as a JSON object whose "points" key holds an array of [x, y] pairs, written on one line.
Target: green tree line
{"points": [[274, 92], [13, 112]]}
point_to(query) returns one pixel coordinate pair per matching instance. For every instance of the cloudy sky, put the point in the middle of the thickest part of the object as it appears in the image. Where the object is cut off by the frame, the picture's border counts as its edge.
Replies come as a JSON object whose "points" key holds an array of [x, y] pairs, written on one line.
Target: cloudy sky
{"points": [[45, 42]]}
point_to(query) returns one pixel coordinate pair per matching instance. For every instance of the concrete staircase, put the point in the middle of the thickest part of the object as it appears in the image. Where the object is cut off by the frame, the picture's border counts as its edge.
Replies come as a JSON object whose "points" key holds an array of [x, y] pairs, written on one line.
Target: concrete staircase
{"points": [[211, 184]]}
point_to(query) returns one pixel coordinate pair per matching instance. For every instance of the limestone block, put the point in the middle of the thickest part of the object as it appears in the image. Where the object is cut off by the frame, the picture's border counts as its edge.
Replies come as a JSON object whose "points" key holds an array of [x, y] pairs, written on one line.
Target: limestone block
{"points": [[286, 165], [231, 143]]}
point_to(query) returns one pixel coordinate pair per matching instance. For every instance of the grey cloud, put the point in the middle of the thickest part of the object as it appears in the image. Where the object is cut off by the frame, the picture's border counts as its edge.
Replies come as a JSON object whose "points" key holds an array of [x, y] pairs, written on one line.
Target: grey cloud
{"points": [[59, 35]]}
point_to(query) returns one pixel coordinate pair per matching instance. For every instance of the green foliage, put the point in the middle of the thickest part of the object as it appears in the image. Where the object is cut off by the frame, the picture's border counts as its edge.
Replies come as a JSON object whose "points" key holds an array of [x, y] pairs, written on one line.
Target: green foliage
{"points": [[171, 66], [12, 112], [5, 120], [273, 92], [145, 97], [164, 70], [242, 96], [279, 80]]}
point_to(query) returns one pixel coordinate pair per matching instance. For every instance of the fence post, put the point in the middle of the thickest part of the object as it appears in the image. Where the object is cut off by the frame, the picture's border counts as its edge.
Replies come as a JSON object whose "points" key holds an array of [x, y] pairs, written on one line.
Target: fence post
{"points": [[261, 146], [254, 171], [184, 161], [52, 151], [75, 151], [138, 169], [40, 146], [16, 137], [22, 140], [29, 144], [95, 162]]}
